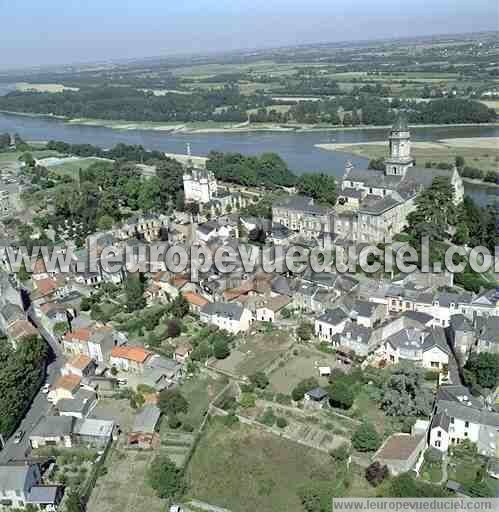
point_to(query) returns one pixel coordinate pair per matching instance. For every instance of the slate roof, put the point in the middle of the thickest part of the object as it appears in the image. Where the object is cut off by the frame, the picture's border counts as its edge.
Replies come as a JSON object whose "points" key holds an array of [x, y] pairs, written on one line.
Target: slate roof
{"points": [[440, 419], [43, 494], [223, 309], [317, 394], [53, 426], [460, 323], [13, 477], [436, 338], [146, 419], [418, 316], [301, 204], [364, 308], [11, 313], [458, 393], [468, 413], [488, 329], [357, 332], [333, 316], [93, 427]]}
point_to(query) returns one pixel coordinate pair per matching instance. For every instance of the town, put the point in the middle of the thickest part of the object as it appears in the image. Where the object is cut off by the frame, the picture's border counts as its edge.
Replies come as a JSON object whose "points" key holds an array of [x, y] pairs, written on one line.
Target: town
{"points": [[144, 388], [249, 256]]}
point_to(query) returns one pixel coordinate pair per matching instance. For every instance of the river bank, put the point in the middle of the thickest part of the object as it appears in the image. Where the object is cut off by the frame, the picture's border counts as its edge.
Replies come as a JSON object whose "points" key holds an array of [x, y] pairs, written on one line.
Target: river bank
{"points": [[216, 127], [480, 152]]}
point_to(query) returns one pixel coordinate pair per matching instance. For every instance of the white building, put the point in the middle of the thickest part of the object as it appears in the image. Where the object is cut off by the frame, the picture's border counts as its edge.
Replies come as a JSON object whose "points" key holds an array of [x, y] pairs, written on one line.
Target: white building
{"points": [[16, 482], [427, 348], [200, 186], [227, 316], [453, 422], [330, 323]]}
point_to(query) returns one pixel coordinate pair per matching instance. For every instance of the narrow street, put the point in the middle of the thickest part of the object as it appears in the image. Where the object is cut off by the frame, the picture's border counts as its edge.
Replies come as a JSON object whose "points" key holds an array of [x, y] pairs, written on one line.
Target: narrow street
{"points": [[40, 405]]}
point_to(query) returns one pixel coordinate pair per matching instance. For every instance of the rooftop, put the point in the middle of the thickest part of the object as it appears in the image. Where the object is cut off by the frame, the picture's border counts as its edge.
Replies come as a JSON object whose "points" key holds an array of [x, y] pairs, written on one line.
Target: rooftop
{"points": [[399, 447]]}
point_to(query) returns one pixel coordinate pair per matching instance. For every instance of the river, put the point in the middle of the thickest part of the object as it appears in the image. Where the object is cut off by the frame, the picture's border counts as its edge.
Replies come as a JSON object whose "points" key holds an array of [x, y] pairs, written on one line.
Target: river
{"points": [[296, 148]]}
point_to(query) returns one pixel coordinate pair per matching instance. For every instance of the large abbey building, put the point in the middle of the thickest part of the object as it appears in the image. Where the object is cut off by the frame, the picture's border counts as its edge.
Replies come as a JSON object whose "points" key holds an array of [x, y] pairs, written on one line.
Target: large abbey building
{"points": [[373, 205]]}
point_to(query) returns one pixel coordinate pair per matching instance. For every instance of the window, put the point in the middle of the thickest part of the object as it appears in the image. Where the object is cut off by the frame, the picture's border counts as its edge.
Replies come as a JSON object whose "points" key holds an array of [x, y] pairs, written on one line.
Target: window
{"points": [[435, 364], [466, 434], [452, 421], [439, 433], [437, 444], [466, 424]]}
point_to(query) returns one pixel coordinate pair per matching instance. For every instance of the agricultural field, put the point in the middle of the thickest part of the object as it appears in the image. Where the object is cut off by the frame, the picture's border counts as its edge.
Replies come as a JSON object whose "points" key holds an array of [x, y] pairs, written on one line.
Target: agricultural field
{"points": [[302, 363], [124, 487], [268, 472], [200, 392], [256, 353]]}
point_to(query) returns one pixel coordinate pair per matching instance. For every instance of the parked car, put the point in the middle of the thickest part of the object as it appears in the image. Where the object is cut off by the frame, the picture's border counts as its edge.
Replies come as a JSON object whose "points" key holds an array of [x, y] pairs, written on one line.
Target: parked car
{"points": [[46, 389], [18, 437]]}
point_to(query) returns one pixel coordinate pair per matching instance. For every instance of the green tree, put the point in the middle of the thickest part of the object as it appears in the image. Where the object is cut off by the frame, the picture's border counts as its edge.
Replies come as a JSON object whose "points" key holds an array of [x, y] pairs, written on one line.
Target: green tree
{"points": [[341, 394], [341, 453], [305, 331], [134, 290], [172, 402], [302, 387], [165, 478], [221, 348], [321, 187], [482, 369], [259, 379], [365, 438], [435, 211], [73, 502], [105, 223]]}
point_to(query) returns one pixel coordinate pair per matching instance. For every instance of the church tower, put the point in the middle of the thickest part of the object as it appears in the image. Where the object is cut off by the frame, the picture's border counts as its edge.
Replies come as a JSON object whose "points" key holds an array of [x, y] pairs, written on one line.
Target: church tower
{"points": [[400, 148]]}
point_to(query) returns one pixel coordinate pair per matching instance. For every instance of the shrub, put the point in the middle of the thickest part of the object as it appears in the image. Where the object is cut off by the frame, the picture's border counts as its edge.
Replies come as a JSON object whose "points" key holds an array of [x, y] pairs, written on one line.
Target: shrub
{"points": [[260, 380], [305, 385], [281, 422], [248, 400], [365, 438], [187, 427], [376, 473], [268, 417], [173, 421], [340, 454]]}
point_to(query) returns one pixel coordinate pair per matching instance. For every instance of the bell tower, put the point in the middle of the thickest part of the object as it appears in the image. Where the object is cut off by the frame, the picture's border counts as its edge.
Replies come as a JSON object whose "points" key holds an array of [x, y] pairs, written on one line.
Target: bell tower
{"points": [[400, 148]]}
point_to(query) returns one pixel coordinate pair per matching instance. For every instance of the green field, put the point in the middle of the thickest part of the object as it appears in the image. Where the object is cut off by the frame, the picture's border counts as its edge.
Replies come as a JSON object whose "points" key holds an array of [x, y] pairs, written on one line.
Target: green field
{"points": [[71, 167], [245, 469], [199, 392], [484, 158]]}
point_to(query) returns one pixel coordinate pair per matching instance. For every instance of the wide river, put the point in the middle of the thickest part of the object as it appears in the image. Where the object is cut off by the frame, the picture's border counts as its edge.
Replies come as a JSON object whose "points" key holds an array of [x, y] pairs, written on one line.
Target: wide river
{"points": [[296, 148]]}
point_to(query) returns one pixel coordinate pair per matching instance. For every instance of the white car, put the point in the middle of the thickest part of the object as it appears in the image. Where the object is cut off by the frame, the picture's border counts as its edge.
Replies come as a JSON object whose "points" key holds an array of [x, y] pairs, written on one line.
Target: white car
{"points": [[46, 389]]}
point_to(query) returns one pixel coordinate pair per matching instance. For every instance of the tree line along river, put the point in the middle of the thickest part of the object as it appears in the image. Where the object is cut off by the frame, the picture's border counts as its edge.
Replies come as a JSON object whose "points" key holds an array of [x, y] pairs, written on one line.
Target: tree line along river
{"points": [[296, 148]]}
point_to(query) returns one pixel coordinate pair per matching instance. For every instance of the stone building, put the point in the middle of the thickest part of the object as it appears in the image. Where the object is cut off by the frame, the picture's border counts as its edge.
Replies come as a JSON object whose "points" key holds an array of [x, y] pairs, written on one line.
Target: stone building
{"points": [[200, 186], [374, 204], [300, 214]]}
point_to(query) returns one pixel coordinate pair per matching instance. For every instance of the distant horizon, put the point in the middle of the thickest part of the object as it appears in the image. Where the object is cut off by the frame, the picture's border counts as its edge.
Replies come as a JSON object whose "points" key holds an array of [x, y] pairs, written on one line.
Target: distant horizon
{"points": [[60, 33], [214, 53]]}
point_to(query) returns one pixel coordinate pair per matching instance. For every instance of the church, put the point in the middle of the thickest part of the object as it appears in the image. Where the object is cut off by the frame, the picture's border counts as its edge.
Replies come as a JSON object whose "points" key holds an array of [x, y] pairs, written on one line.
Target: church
{"points": [[373, 205]]}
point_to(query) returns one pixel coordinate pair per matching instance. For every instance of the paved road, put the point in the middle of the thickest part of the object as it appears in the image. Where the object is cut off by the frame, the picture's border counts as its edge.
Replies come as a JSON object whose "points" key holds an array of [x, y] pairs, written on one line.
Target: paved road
{"points": [[40, 406]]}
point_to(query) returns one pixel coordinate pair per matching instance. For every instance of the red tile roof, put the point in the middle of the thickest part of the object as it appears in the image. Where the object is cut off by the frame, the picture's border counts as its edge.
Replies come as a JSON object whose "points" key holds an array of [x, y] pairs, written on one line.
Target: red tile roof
{"points": [[136, 354]]}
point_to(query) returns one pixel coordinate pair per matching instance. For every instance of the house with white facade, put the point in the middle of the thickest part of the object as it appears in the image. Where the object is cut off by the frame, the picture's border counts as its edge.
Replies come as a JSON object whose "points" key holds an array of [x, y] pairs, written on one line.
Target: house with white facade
{"points": [[455, 421], [330, 323], [425, 347], [231, 317], [16, 482]]}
